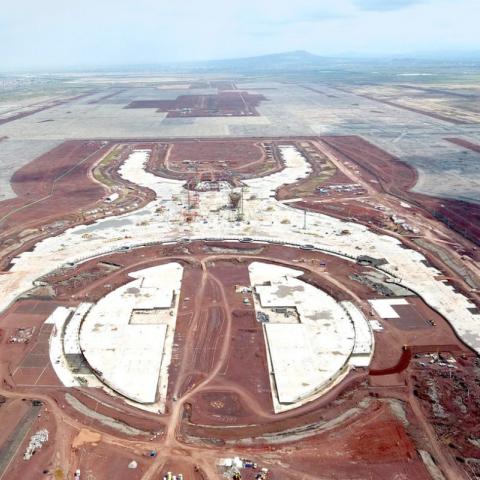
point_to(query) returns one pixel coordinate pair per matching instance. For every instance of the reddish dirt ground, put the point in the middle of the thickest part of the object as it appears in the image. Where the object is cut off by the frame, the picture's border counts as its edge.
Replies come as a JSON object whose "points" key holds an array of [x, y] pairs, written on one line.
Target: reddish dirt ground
{"points": [[242, 387], [223, 104], [417, 326], [41, 461], [219, 397], [11, 413], [54, 190], [397, 178], [213, 160], [51, 188], [210, 155], [219, 376], [105, 461], [28, 363], [448, 393], [350, 210], [354, 451], [101, 402], [53, 175]]}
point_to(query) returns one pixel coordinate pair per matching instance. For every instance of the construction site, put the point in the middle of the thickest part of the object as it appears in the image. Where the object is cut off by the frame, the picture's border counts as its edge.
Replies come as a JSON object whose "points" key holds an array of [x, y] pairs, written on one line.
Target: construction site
{"points": [[235, 307]]}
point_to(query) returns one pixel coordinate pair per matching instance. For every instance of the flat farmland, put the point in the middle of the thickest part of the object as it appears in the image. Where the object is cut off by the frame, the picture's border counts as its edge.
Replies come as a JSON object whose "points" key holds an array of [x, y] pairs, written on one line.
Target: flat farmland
{"points": [[222, 104]]}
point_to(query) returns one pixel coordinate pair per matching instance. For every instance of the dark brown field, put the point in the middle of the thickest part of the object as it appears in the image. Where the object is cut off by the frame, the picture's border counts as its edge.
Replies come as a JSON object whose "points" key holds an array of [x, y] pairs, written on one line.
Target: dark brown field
{"points": [[223, 104]]}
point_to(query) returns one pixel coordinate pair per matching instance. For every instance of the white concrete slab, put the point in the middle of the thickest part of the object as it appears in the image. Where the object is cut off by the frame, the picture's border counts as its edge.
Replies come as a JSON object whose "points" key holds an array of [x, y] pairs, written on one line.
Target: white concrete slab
{"points": [[291, 356], [383, 306], [133, 358], [364, 340], [376, 325], [59, 318], [71, 343], [127, 358], [306, 358], [269, 272]]}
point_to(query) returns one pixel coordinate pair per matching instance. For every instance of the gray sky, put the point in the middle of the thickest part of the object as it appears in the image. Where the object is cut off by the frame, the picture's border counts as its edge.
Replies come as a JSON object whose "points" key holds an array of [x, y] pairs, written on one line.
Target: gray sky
{"points": [[53, 33]]}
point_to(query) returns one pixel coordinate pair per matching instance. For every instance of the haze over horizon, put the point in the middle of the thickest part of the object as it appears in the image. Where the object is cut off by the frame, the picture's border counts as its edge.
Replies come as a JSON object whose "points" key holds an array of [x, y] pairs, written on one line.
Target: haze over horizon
{"points": [[58, 34]]}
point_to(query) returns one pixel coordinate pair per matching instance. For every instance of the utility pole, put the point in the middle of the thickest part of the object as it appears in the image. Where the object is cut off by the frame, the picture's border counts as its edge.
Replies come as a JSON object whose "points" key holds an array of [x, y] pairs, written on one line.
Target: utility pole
{"points": [[241, 202]]}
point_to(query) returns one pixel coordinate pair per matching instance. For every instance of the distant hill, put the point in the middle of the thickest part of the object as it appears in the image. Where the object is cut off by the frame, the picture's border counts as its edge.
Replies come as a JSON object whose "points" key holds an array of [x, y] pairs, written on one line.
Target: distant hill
{"points": [[304, 62], [296, 60]]}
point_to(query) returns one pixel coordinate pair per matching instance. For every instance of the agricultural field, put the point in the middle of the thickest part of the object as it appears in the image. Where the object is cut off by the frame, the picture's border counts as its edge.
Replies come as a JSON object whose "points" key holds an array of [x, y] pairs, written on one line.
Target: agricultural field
{"points": [[222, 104]]}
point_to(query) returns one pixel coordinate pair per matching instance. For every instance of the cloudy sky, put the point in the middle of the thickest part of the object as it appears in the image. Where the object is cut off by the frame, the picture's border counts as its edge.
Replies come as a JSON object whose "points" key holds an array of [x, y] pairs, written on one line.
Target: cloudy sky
{"points": [[55, 33]]}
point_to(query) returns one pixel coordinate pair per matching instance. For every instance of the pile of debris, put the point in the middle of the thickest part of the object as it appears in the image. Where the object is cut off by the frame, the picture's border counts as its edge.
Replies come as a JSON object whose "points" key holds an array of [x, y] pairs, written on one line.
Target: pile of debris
{"points": [[234, 467], [171, 476], [36, 443], [245, 291], [21, 335], [379, 287], [402, 223], [448, 387], [354, 188]]}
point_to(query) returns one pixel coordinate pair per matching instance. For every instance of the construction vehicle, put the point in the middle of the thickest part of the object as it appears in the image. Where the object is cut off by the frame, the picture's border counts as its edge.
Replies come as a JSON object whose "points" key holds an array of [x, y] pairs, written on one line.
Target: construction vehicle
{"points": [[189, 216]]}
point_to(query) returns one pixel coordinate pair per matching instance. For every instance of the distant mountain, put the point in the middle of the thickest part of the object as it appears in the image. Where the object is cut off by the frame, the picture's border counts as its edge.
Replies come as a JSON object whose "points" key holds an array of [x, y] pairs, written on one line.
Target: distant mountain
{"points": [[296, 60], [303, 62]]}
